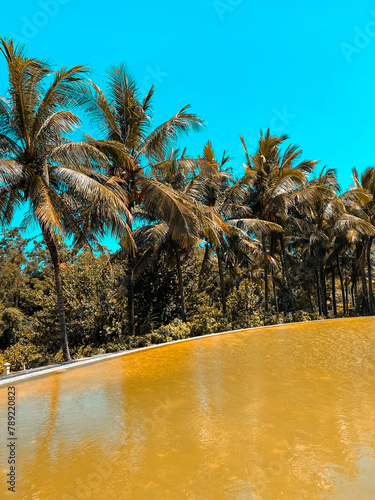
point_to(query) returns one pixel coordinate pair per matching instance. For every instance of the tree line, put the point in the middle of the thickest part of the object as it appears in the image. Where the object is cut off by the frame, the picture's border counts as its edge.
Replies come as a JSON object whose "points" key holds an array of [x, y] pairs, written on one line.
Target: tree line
{"points": [[282, 231]]}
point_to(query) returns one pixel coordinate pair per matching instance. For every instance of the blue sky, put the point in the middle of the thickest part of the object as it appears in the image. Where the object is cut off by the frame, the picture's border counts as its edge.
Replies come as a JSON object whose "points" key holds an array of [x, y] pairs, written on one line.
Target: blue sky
{"points": [[302, 68]]}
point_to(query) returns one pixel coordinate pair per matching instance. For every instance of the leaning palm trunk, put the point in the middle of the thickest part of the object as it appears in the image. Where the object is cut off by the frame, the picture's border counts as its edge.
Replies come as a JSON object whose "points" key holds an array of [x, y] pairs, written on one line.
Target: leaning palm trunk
{"points": [[60, 299], [181, 285], [222, 282], [287, 274], [369, 271]]}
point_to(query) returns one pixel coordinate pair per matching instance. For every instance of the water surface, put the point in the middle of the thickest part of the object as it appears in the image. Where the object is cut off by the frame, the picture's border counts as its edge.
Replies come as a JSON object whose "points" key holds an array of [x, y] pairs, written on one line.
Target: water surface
{"points": [[276, 413]]}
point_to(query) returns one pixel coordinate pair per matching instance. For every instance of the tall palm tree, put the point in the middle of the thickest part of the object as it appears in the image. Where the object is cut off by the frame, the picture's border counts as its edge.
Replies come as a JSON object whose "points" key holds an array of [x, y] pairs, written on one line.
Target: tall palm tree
{"points": [[44, 170], [123, 121], [209, 186], [272, 176], [318, 207], [212, 186], [177, 223], [360, 204]]}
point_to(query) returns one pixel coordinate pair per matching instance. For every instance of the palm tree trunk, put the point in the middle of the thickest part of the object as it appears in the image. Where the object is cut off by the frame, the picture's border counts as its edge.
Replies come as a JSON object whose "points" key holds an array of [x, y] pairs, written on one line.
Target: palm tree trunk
{"points": [[344, 301], [130, 286], [60, 299], [353, 296], [181, 284], [364, 290], [222, 282], [287, 274], [318, 293], [265, 275], [284, 285], [266, 287], [204, 262], [334, 291], [369, 271], [323, 289], [312, 307], [274, 291], [347, 297], [283, 280]]}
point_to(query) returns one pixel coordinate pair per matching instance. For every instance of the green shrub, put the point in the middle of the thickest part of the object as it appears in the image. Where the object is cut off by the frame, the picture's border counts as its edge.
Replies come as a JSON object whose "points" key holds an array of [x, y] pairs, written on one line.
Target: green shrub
{"points": [[114, 346], [314, 316], [176, 330], [272, 319], [87, 351], [244, 305], [19, 354], [137, 342], [301, 316], [209, 320]]}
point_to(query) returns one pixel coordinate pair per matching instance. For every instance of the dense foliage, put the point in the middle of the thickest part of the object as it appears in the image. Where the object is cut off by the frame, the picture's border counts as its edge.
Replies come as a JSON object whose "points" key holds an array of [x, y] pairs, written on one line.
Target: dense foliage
{"points": [[202, 251]]}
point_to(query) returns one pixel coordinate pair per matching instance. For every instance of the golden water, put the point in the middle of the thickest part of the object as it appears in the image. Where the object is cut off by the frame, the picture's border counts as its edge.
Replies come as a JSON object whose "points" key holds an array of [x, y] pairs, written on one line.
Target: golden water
{"points": [[276, 413]]}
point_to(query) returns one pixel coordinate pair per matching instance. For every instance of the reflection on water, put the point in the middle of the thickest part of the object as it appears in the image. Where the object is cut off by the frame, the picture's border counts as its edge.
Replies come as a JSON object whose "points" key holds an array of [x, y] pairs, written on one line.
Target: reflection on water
{"points": [[278, 413]]}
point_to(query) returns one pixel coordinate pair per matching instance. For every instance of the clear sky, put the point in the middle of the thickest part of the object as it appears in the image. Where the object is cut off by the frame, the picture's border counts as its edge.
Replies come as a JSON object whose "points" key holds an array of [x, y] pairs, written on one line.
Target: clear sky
{"points": [[302, 68]]}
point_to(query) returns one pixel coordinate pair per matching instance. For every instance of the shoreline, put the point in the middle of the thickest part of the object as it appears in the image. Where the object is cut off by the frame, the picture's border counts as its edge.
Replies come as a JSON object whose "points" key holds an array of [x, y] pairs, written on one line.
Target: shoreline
{"points": [[46, 370]]}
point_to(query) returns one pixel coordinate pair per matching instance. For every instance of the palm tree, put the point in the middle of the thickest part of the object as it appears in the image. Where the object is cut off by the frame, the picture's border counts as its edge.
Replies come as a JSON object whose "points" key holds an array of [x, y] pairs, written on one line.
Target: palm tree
{"points": [[209, 186], [170, 232], [213, 186], [44, 170], [123, 120], [360, 203], [339, 243], [272, 177], [317, 210]]}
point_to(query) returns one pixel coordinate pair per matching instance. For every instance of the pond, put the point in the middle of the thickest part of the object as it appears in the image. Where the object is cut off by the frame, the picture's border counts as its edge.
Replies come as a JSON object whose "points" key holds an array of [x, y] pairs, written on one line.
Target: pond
{"points": [[283, 412]]}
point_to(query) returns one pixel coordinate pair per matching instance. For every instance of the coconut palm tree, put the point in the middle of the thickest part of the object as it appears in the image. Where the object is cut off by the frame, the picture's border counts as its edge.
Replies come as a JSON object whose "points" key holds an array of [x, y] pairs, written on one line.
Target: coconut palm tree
{"points": [[123, 121], [209, 187], [272, 178], [212, 186], [360, 204], [317, 209], [176, 222], [44, 170]]}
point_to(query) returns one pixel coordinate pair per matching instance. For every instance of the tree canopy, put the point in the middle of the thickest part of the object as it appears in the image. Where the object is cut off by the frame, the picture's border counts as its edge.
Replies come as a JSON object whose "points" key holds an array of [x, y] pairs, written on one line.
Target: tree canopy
{"points": [[202, 249]]}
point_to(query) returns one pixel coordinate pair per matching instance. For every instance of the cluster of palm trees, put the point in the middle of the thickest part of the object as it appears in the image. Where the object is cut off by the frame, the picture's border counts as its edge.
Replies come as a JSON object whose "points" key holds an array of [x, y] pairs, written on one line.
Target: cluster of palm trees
{"points": [[129, 181]]}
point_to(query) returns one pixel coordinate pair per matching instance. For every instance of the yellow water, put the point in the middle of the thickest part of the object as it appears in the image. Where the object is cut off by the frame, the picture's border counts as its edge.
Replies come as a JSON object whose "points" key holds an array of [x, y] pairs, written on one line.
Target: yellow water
{"points": [[277, 413]]}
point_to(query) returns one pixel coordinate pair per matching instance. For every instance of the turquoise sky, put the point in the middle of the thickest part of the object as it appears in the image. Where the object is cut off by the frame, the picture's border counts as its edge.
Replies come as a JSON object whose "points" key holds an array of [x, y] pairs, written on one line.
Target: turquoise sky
{"points": [[302, 68]]}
